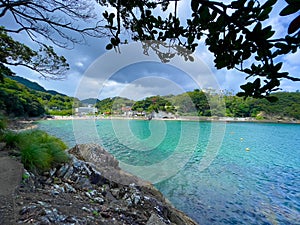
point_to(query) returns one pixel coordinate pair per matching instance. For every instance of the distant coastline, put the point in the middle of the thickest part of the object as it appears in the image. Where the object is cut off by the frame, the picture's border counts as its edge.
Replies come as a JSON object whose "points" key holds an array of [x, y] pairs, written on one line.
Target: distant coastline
{"points": [[179, 118]]}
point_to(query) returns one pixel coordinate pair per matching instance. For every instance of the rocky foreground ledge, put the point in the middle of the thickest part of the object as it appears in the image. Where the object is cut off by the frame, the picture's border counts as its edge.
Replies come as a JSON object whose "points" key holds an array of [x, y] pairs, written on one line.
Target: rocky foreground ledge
{"points": [[92, 189]]}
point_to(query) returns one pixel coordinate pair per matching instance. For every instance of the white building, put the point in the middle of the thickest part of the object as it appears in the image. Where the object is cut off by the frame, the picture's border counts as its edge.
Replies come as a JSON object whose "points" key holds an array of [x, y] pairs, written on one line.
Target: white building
{"points": [[86, 110]]}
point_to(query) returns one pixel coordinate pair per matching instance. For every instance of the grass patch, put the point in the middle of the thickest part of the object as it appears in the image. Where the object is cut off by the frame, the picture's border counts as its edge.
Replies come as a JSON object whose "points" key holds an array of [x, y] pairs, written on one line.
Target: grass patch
{"points": [[3, 123], [10, 138], [39, 151]]}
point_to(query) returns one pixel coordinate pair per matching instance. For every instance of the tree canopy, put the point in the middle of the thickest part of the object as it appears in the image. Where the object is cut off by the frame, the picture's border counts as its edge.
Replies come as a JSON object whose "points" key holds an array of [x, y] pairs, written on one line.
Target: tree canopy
{"points": [[237, 33], [64, 23]]}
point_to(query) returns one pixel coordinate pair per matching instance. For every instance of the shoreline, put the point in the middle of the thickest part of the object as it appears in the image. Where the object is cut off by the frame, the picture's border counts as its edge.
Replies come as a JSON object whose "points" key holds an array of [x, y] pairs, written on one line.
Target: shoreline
{"points": [[180, 118]]}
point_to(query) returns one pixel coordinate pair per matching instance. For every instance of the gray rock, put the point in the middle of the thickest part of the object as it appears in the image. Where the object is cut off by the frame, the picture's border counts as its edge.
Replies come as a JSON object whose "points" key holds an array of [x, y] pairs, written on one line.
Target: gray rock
{"points": [[83, 183], [69, 173], [88, 194], [52, 171], [135, 199], [95, 154], [155, 220], [59, 188], [85, 209], [115, 192], [99, 200], [54, 192], [62, 170], [69, 188]]}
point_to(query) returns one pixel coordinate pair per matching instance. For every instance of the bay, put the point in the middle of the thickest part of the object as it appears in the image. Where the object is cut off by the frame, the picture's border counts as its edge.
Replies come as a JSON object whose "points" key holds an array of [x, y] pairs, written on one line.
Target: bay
{"points": [[217, 173]]}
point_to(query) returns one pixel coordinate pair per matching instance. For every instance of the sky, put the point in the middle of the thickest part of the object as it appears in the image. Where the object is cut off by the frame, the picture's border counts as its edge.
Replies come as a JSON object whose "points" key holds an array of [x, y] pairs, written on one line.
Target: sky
{"points": [[98, 73]]}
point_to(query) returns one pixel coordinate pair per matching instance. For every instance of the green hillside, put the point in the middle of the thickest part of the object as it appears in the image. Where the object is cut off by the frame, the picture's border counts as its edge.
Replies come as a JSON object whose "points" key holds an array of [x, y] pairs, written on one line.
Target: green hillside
{"points": [[199, 103], [113, 105], [34, 85], [18, 100]]}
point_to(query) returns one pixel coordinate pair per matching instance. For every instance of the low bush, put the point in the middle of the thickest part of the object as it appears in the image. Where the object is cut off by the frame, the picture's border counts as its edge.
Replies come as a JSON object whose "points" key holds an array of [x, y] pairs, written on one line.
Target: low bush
{"points": [[10, 138], [39, 151], [3, 123]]}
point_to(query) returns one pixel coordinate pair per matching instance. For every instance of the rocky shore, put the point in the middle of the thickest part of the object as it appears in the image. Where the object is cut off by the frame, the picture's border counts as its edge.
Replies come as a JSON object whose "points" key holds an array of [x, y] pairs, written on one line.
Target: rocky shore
{"points": [[90, 189]]}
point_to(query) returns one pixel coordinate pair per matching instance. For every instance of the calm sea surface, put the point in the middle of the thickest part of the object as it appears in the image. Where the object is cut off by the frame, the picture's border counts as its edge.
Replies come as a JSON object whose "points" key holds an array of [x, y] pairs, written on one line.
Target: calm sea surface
{"points": [[217, 173]]}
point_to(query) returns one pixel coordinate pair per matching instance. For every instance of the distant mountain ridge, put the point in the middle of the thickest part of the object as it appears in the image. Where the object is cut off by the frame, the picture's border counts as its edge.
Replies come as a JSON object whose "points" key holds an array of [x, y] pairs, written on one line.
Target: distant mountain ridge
{"points": [[33, 85], [90, 101]]}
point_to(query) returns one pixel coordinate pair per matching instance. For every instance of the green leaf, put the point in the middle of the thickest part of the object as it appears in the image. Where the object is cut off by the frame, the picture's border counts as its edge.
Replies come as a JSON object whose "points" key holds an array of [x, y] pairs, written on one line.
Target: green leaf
{"points": [[109, 47], [281, 45], [237, 4], [268, 32], [293, 1], [248, 71], [257, 27], [111, 16], [191, 39], [204, 13], [269, 3], [294, 25], [148, 13], [256, 83], [105, 14], [278, 66], [290, 9], [265, 14], [195, 5], [250, 4]]}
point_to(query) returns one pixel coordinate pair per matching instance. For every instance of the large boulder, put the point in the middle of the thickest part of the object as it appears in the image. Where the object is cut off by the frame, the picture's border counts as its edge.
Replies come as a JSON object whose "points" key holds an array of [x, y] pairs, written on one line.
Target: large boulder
{"points": [[108, 167], [105, 163]]}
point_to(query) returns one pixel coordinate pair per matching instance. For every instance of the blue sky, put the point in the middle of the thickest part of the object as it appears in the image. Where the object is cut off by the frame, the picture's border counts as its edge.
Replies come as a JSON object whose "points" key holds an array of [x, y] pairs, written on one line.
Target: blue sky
{"points": [[98, 73]]}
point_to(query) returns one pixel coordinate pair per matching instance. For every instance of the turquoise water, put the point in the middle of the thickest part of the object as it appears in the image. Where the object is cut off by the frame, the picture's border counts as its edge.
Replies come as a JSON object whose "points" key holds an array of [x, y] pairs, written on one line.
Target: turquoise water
{"points": [[251, 177]]}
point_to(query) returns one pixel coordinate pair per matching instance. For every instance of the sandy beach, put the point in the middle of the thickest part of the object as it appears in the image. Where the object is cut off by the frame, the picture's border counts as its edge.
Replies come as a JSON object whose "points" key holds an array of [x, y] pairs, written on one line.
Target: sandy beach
{"points": [[179, 118]]}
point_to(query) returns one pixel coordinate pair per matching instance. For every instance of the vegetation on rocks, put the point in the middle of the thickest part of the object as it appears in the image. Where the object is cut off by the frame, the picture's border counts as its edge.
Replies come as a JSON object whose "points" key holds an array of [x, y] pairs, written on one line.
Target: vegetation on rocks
{"points": [[39, 151]]}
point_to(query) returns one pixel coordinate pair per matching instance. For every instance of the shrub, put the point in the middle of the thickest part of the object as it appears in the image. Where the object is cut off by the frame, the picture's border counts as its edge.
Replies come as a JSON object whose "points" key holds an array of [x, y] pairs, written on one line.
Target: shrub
{"points": [[35, 158], [39, 150], [10, 138], [3, 123]]}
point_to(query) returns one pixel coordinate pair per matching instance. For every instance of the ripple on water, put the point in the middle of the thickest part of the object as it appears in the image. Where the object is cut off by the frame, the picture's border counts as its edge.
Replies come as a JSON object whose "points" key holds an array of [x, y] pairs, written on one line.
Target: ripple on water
{"points": [[259, 186]]}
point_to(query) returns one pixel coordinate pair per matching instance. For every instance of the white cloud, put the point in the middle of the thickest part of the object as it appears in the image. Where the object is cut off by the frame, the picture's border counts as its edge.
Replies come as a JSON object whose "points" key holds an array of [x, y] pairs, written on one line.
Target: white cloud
{"points": [[293, 59], [79, 64]]}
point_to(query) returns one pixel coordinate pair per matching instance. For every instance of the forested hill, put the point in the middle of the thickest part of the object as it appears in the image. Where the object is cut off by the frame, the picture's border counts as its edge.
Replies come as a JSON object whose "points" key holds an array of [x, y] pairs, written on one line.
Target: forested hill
{"points": [[31, 100], [34, 85], [18, 100], [200, 103]]}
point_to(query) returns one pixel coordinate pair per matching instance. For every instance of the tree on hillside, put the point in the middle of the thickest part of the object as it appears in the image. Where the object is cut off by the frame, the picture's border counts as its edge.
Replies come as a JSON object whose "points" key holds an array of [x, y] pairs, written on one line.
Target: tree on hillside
{"points": [[153, 104], [64, 23], [237, 33]]}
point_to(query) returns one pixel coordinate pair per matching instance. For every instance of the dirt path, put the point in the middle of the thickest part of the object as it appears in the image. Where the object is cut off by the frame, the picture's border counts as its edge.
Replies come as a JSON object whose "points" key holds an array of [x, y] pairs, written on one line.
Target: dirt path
{"points": [[10, 178]]}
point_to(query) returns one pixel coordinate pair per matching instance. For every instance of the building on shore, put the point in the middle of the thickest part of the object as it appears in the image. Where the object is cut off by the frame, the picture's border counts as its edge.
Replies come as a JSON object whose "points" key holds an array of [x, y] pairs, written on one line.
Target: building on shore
{"points": [[89, 110]]}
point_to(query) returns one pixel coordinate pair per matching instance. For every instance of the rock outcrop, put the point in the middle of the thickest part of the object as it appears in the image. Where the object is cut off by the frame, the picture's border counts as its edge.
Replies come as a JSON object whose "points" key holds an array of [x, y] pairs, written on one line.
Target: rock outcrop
{"points": [[92, 189]]}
